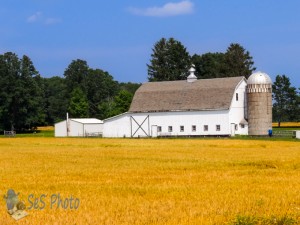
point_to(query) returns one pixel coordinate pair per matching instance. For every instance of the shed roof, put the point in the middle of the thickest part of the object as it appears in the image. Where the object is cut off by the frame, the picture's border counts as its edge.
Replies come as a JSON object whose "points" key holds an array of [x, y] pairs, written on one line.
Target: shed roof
{"points": [[87, 120], [204, 94]]}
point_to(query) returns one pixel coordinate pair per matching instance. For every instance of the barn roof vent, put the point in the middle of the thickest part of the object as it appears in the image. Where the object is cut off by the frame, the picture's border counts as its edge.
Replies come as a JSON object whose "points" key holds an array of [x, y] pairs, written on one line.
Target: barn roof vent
{"points": [[192, 77]]}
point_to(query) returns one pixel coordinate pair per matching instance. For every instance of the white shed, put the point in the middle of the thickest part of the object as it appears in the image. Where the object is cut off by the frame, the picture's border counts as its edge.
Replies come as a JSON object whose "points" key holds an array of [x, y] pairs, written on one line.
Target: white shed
{"points": [[189, 107], [79, 128]]}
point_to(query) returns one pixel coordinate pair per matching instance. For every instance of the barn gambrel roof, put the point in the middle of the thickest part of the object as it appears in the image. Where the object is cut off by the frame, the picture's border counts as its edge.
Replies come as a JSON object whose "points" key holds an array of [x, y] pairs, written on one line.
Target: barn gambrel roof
{"points": [[200, 95]]}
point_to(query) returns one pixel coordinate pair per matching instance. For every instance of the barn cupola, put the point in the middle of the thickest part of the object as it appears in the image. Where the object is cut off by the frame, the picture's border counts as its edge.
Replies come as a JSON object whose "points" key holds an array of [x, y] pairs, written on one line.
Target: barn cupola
{"points": [[192, 77]]}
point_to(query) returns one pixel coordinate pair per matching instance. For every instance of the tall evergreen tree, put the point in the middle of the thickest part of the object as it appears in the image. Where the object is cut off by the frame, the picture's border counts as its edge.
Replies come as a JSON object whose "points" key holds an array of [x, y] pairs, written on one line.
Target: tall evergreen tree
{"points": [[9, 85], [32, 89], [286, 105], [21, 96], [169, 61], [238, 62]]}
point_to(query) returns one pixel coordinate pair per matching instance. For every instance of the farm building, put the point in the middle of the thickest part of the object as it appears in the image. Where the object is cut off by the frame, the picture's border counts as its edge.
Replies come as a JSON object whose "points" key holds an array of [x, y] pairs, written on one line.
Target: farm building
{"points": [[79, 128], [192, 107]]}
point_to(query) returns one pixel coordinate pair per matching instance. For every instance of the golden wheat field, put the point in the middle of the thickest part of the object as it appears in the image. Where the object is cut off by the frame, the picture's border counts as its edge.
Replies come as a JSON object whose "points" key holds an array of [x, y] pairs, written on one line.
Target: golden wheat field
{"points": [[45, 128], [144, 181], [287, 124]]}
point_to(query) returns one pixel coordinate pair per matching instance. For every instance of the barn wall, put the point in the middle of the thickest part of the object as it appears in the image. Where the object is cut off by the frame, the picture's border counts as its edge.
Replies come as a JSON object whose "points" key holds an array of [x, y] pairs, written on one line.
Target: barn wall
{"points": [[118, 126], [61, 129], [142, 124], [238, 109], [76, 129], [185, 119], [93, 128]]}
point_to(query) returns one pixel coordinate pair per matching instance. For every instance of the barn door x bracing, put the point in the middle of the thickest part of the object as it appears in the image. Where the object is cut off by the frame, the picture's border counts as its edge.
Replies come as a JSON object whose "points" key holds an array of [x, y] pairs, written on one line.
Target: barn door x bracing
{"points": [[140, 126]]}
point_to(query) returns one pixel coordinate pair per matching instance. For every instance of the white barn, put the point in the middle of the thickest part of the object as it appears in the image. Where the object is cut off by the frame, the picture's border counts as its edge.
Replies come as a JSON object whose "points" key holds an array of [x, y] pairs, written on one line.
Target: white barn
{"points": [[79, 128], [207, 107]]}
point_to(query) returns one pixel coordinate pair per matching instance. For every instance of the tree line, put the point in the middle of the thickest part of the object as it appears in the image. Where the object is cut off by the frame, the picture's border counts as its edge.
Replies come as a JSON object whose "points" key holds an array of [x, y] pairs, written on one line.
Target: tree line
{"points": [[28, 100], [170, 60]]}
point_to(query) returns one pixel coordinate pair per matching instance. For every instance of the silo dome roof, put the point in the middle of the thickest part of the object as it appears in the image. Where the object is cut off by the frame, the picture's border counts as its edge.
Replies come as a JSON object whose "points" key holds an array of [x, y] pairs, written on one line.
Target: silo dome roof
{"points": [[259, 78]]}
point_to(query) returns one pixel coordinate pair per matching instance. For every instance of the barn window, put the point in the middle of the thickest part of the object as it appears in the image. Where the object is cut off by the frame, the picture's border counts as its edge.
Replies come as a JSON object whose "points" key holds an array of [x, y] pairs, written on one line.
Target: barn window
{"points": [[181, 128], [242, 125], [194, 128], [236, 96], [218, 127], [205, 127], [159, 129], [170, 129], [236, 127]]}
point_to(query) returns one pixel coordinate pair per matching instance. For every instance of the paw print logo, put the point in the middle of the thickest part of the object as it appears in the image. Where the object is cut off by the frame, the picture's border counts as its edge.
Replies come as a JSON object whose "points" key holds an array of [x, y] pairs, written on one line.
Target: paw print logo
{"points": [[15, 207]]}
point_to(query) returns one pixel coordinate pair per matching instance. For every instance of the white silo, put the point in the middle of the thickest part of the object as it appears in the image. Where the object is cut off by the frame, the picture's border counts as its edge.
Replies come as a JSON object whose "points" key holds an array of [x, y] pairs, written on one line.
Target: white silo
{"points": [[259, 98]]}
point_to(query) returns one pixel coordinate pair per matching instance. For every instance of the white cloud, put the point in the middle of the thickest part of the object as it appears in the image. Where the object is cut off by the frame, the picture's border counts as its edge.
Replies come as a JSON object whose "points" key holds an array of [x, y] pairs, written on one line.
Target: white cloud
{"points": [[169, 9], [35, 17], [38, 17]]}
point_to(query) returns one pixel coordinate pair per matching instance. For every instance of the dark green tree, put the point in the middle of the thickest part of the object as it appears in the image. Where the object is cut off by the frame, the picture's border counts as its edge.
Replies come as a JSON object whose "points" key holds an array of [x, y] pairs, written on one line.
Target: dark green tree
{"points": [[169, 61], [78, 107], [129, 86], [39, 102], [76, 75], [56, 101], [209, 65], [286, 105], [122, 102], [31, 108], [21, 97], [96, 84], [298, 106], [238, 62], [119, 104], [106, 108], [100, 86], [10, 89]]}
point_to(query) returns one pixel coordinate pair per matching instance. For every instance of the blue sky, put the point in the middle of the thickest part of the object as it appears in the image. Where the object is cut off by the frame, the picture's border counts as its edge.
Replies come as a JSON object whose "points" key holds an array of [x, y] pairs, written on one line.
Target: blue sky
{"points": [[117, 36]]}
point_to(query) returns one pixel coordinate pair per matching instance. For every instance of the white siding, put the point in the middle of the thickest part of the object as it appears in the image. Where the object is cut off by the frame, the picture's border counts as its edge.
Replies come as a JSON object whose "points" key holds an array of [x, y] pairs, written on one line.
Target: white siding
{"points": [[189, 119], [237, 112], [298, 134], [140, 124], [93, 128], [61, 129], [118, 126], [77, 128]]}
